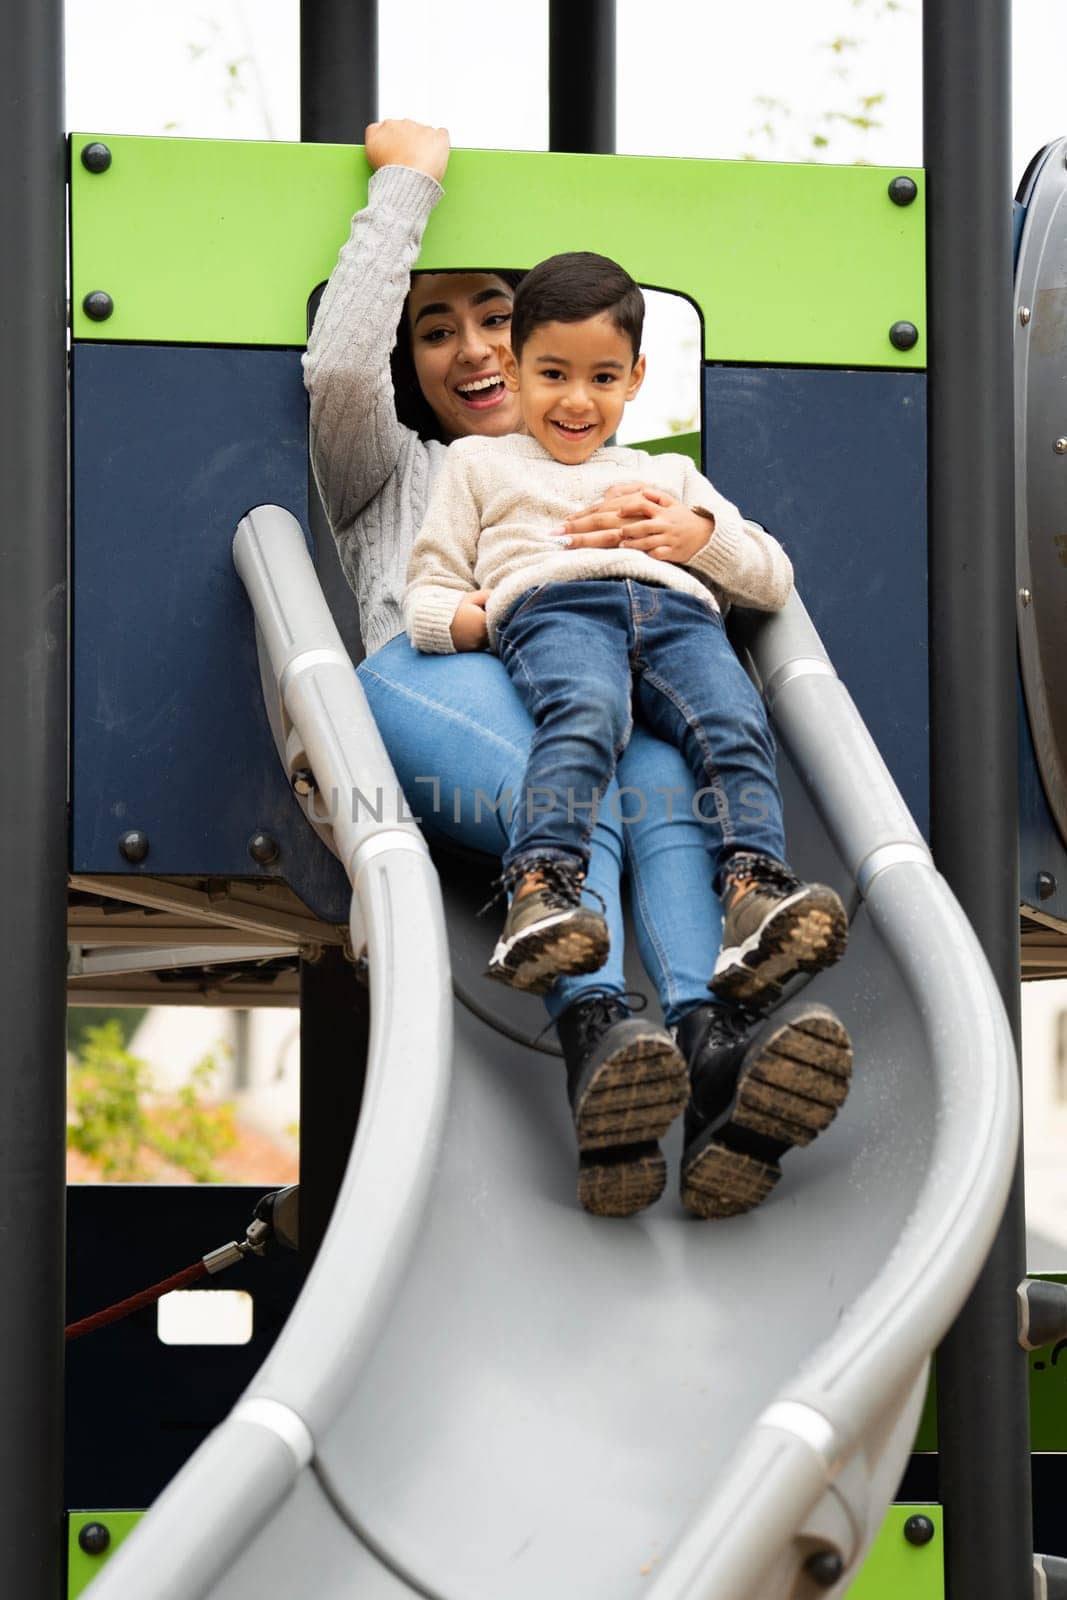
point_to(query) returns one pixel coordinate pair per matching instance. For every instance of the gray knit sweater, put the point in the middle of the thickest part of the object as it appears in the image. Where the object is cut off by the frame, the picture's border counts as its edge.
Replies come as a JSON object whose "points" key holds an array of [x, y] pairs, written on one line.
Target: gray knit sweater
{"points": [[496, 502], [373, 473]]}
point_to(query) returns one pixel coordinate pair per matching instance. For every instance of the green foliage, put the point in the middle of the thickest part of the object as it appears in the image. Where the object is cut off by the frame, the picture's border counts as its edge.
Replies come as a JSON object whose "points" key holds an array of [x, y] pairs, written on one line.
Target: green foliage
{"points": [[80, 1019], [117, 1120], [778, 135]]}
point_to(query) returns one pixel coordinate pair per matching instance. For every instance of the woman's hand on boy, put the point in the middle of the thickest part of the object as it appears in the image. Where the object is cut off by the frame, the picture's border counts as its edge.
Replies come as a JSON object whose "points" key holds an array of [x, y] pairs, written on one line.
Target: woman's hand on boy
{"points": [[401, 143], [469, 628], [638, 516]]}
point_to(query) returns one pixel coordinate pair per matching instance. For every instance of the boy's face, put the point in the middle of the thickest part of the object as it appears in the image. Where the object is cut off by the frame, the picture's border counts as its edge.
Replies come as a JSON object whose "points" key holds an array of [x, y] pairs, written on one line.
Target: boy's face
{"points": [[573, 382]]}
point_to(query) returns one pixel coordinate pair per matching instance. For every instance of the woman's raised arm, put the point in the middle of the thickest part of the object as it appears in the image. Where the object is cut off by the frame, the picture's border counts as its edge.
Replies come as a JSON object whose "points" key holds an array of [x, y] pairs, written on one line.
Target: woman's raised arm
{"points": [[356, 439]]}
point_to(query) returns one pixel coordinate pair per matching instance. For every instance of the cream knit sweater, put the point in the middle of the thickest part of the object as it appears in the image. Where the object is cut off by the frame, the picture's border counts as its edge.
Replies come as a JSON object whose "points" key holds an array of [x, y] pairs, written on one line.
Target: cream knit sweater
{"points": [[495, 502]]}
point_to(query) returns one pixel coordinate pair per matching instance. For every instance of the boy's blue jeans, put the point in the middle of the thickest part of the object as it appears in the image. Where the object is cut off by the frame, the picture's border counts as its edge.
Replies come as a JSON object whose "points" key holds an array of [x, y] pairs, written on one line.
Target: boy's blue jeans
{"points": [[581, 655], [459, 738]]}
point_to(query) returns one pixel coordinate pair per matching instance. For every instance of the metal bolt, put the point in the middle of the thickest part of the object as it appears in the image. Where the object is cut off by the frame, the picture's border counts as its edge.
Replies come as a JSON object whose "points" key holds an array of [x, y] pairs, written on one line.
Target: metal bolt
{"points": [[903, 335], [96, 157], [1046, 885], [303, 782], [902, 191], [94, 1538], [1060, 447], [264, 848], [98, 305], [919, 1530], [825, 1566], [1025, 596], [1024, 315], [134, 846]]}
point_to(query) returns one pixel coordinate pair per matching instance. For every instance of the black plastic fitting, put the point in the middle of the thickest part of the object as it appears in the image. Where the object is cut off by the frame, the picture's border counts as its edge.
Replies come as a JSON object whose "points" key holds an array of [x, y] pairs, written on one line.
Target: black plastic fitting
{"points": [[94, 1538], [903, 335], [902, 191], [918, 1529], [133, 846], [825, 1568], [264, 848], [96, 157], [1046, 885], [98, 305]]}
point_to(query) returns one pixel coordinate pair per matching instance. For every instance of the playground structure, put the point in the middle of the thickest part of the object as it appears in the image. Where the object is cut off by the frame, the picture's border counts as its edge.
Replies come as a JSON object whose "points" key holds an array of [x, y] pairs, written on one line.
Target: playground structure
{"points": [[186, 411]]}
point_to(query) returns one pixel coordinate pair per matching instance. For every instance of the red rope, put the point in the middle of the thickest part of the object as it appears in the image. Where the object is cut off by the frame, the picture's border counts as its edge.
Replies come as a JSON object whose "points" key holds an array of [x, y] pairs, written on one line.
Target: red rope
{"points": [[126, 1308]]}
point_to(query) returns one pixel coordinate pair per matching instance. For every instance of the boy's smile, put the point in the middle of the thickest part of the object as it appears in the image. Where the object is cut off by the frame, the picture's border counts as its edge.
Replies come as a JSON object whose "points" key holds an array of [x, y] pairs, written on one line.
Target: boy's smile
{"points": [[573, 381]]}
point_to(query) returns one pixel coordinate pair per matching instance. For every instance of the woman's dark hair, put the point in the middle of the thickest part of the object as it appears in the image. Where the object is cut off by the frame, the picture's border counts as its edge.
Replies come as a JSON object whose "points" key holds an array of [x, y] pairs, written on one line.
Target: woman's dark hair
{"points": [[573, 288], [412, 407]]}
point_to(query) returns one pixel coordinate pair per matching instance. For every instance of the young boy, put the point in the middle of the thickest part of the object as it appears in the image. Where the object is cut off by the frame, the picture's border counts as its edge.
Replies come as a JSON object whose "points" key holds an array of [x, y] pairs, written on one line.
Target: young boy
{"points": [[585, 633]]}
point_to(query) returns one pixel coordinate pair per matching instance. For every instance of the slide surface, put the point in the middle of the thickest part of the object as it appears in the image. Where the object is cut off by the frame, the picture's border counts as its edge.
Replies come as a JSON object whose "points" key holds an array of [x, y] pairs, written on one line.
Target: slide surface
{"points": [[484, 1393]]}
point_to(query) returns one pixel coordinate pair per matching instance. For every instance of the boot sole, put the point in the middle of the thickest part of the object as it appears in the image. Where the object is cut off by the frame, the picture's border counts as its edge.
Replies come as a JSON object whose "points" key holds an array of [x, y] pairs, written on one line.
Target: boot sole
{"points": [[789, 1090], [626, 1108], [533, 960], [803, 935]]}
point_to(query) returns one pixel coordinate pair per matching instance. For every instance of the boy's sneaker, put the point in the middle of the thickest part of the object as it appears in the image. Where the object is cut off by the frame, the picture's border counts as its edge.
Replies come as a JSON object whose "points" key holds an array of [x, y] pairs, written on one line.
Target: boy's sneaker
{"points": [[626, 1082], [548, 931], [758, 1089], [774, 927]]}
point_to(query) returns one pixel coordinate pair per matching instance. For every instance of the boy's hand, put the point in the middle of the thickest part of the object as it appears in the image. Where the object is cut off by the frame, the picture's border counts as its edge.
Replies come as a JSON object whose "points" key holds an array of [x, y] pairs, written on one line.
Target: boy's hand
{"points": [[637, 516], [400, 143], [469, 629]]}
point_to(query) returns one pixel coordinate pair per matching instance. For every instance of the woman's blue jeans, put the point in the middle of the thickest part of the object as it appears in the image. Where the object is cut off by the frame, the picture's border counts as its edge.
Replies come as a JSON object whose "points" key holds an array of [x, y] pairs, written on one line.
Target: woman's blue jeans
{"points": [[459, 738]]}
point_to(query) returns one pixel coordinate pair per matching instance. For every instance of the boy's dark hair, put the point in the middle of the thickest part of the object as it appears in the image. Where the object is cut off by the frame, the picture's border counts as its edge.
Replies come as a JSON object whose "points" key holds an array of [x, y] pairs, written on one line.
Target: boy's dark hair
{"points": [[412, 407], [572, 288]]}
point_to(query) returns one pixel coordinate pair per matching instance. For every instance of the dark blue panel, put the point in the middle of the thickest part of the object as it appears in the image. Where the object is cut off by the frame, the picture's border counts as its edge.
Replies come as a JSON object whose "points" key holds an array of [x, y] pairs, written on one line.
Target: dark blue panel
{"points": [[834, 464], [171, 446], [137, 1409]]}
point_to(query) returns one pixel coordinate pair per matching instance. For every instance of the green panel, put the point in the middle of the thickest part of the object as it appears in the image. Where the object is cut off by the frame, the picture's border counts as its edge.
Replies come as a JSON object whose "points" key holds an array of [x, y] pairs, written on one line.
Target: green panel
{"points": [[897, 1570], [82, 1568], [1048, 1397], [221, 242], [678, 444]]}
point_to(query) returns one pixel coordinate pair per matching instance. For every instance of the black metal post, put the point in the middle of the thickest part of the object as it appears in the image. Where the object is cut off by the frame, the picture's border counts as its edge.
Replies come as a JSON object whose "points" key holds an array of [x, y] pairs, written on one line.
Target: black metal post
{"points": [[581, 76], [338, 97], [338, 70], [334, 1035], [33, 825], [983, 1435]]}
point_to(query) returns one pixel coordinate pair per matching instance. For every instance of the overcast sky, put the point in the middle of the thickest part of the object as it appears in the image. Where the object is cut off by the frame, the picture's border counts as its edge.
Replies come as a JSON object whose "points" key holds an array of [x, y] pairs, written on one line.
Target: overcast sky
{"points": [[692, 73], [709, 78]]}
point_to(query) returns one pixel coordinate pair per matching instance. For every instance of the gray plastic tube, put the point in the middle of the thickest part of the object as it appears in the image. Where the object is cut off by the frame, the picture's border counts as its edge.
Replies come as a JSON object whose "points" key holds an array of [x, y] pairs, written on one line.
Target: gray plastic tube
{"points": [[803, 1444], [247, 1467]]}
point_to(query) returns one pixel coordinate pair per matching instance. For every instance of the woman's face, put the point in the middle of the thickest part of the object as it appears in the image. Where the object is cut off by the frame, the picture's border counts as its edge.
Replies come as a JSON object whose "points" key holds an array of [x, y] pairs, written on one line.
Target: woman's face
{"points": [[456, 321]]}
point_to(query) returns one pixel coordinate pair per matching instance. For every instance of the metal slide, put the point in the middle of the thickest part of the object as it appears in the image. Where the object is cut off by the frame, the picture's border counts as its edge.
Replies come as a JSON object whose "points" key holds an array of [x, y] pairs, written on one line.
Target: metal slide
{"points": [[484, 1393]]}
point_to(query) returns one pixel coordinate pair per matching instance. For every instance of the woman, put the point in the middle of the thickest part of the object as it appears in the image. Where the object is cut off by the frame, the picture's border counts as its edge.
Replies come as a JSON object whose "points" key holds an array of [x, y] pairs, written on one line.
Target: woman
{"points": [[454, 727]]}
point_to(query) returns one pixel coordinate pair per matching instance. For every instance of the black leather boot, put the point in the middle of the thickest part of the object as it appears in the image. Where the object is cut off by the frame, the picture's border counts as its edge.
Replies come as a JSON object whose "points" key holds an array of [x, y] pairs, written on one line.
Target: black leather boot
{"points": [[626, 1083], [759, 1086]]}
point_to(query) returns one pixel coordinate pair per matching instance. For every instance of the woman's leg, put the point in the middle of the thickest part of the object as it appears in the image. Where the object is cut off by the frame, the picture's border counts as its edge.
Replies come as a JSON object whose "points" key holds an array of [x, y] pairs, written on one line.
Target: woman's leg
{"points": [[677, 915], [459, 736]]}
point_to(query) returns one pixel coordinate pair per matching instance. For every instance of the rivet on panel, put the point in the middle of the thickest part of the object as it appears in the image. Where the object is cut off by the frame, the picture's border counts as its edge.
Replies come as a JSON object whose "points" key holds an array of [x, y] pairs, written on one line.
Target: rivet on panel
{"points": [[1024, 315], [903, 335], [1060, 447], [902, 191], [133, 846], [96, 157], [264, 848], [1025, 596], [98, 305], [94, 1538]]}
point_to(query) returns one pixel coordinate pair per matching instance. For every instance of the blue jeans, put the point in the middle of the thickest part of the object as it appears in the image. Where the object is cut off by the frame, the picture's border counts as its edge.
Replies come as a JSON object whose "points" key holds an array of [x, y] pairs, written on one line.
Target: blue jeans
{"points": [[581, 655], [459, 738]]}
